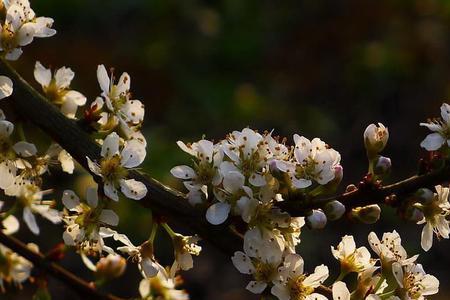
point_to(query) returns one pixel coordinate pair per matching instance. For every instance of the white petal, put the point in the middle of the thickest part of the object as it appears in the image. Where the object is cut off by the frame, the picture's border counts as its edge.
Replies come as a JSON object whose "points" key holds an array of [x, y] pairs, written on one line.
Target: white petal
{"points": [[25, 34], [134, 110], [92, 196], [7, 174], [340, 291], [110, 191], [123, 85], [103, 79], [67, 162], [281, 292], [110, 145], [75, 97], [144, 288], [6, 87], [94, 167], [25, 149], [70, 199], [14, 54], [183, 172], [243, 263], [432, 142], [256, 287], [133, 154], [257, 180], [318, 277], [218, 213], [11, 225], [148, 268], [109, 217], [63, 77], [133, 189], [6, 128], [427, 237], [30, 220]]}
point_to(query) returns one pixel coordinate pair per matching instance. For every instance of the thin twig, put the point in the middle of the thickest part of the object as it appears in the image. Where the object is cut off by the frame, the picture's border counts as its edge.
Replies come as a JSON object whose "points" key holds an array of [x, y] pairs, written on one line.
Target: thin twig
{"points": [[372, 195], [39, 261]]}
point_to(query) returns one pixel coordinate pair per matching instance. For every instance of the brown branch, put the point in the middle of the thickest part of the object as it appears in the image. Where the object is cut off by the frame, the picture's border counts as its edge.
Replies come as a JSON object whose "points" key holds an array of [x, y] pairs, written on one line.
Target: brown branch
{"points": [[52, 268], [371, 194]]}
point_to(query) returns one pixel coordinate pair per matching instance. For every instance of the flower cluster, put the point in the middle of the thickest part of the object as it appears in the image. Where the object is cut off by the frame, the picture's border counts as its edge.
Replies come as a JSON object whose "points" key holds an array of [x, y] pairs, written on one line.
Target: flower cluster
{"points": [[247, 172], [20, 27]]}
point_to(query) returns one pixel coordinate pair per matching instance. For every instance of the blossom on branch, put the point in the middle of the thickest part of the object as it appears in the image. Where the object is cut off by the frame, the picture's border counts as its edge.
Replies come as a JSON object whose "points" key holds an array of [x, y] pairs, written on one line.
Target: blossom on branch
{"points": [[114, 165], [57, 88]]}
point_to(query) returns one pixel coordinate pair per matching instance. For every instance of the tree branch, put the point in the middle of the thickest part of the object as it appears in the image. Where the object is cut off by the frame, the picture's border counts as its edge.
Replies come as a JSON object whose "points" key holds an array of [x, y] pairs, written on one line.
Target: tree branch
{"points": [[162, 200], [39, 261], [371, 194]]}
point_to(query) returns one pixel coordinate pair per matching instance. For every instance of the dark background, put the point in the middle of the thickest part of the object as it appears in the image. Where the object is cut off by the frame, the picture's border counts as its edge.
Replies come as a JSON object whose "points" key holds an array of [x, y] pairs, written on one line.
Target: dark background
{"points": [[317, 68]]}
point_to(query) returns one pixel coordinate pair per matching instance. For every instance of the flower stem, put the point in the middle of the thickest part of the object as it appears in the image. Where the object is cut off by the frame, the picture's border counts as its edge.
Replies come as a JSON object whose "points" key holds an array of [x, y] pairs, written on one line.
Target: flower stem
{"points": [[168, 230]]}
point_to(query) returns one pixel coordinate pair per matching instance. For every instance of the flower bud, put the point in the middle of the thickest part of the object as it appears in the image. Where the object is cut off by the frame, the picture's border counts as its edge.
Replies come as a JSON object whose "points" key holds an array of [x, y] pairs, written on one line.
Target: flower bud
{"points": [[369, 214], [375, 139], [334, 210], [111, 266], [382, 166], [317, 219], [424, 195]]}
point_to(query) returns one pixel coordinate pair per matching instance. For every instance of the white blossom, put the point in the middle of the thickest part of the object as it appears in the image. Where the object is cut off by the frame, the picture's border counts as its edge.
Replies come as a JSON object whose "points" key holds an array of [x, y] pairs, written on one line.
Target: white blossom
{"points": [[293, 284], [14, 269], [162, 288], [435, 212], [414, 282], [352, 259], [207, 159], [142, 255], [389, 249], [86, 221], [184, 247], [20, 27], [31, 199], [261, 259], [441, 131], [313, 160], [116, 105], [57, 88], [114, 165]]}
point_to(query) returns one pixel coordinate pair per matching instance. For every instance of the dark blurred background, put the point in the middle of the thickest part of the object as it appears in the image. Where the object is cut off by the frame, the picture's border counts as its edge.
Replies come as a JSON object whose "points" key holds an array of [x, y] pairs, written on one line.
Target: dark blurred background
{"points": [[317, 68]]}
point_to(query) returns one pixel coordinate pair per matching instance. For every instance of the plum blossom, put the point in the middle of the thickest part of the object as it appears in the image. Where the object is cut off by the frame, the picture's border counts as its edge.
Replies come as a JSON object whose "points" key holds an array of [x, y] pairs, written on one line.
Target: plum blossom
{"points": [[441, 131], [20, 27], [261, 258], [293, 284], [352, 259], [435, 211], [57, 88], [85, 222], [30, 197], [313, 160], [185, 247], [414, 282], [161, 287], [14, 269], [207, 158], [389, 249], [115, 104], [142, 255], [114, 165]]}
